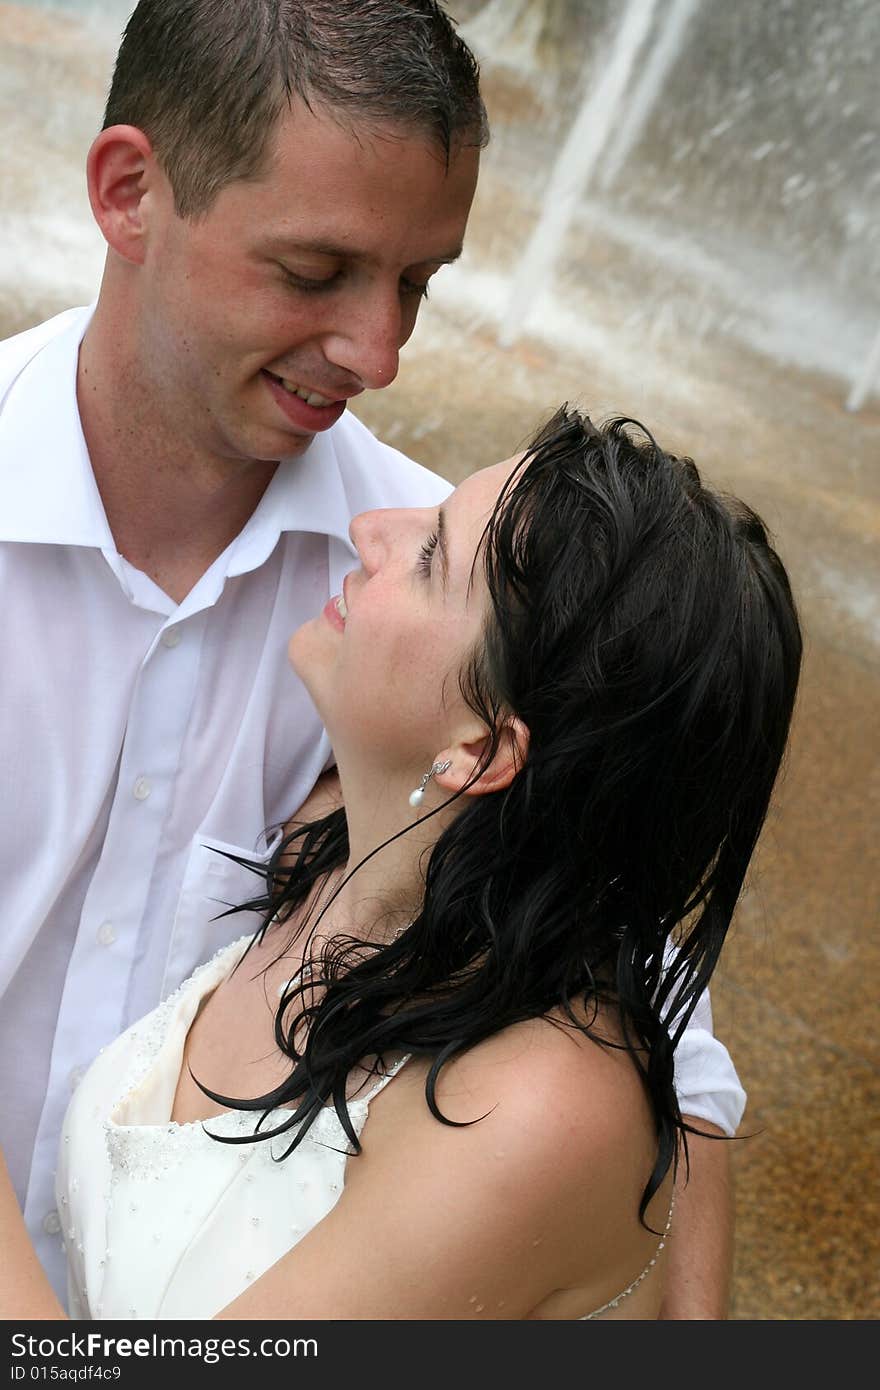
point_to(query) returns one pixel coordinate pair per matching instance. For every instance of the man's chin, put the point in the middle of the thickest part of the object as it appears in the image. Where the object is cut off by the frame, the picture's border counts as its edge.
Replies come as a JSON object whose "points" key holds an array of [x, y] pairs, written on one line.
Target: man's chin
{"points": [[297, 445], [268, 445]]}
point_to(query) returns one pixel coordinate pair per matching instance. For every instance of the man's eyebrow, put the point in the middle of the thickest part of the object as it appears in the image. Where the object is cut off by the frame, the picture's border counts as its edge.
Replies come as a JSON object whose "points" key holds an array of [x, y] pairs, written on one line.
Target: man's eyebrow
{"points": [[442, 547], [340, 252]]}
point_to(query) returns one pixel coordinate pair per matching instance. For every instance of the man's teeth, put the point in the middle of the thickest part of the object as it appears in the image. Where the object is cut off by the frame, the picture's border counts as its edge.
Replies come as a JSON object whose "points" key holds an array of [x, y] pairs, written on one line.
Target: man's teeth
{"points": [[310, 397], [341, 608]]}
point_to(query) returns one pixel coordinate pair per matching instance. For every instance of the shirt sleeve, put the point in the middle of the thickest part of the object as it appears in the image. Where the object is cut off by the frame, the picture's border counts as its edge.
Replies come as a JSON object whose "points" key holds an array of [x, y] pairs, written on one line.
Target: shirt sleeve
{"points": [[706, 1081]]}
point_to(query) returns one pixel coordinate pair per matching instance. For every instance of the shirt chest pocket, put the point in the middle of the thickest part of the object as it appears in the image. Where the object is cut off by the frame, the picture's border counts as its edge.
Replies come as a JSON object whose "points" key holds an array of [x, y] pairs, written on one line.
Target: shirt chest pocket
{"points": [[214, 881]]}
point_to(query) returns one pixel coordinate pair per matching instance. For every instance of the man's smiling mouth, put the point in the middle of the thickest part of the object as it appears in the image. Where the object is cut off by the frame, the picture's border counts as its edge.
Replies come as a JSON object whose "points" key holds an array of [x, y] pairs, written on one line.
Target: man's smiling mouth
{"points": [[310, 397]]}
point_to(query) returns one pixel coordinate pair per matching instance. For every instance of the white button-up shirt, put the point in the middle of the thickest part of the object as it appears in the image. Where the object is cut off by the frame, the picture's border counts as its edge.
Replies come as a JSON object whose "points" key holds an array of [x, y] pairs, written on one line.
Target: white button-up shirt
{"points": [[141, 739]]}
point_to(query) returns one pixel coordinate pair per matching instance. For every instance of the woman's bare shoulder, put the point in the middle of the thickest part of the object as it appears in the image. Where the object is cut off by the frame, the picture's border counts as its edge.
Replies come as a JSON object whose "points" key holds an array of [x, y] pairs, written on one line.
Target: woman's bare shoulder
{"points": [[555, 1102], [532, 1189], [548, 1076]]}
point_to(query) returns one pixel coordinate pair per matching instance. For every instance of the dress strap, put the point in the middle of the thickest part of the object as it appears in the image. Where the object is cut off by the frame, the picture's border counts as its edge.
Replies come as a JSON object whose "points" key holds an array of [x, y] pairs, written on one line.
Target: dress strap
{"points": [[384, 1079]]}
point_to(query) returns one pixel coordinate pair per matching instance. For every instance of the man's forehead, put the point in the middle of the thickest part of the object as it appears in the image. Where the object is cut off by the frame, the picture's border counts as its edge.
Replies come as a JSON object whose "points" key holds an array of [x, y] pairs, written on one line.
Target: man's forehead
{"points": [[386, 194]]}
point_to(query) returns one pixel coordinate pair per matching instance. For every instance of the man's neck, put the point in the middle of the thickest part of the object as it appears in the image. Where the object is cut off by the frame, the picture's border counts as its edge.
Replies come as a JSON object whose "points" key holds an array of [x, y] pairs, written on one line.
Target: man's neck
{"points": [[171, 509]]}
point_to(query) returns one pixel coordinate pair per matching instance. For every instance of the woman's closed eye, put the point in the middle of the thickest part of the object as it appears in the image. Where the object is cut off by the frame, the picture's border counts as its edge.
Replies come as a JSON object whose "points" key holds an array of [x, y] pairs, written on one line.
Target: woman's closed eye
{"points": [[426, 554]]}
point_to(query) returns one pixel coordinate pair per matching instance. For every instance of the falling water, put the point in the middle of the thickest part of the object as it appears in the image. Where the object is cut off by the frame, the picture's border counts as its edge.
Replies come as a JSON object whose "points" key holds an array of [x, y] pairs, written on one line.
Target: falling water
{"points": [[575, 164], [866, 378], [489, 32], [648, 87]]}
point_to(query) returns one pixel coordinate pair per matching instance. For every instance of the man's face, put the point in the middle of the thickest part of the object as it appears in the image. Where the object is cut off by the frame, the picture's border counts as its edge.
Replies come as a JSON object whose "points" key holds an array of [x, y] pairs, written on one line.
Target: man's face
{"points": [[297, 290]]}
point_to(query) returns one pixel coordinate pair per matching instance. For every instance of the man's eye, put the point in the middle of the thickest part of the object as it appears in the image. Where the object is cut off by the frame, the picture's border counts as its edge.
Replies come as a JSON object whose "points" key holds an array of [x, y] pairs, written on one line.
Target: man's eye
{"points": [[309, 284], [426, 553]]}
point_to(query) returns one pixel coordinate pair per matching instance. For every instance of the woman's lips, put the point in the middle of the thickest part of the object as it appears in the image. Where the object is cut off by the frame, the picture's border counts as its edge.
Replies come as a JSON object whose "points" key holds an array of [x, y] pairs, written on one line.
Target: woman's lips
{"points": [[332, 614]]}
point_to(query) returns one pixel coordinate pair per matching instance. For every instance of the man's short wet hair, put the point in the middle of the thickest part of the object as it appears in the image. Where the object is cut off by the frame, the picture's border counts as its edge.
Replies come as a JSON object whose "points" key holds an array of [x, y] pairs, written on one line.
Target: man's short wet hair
{"points": [[207, 80]]}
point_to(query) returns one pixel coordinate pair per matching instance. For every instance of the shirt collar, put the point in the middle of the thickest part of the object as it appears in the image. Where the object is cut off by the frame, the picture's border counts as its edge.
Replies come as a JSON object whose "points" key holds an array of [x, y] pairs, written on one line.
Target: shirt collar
{"points": [[48, 492], [306, 494]]}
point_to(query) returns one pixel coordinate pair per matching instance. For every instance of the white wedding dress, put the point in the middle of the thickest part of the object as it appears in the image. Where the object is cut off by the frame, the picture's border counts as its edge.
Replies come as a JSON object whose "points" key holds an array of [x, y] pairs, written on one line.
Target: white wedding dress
{"points": [[159, 1220]]}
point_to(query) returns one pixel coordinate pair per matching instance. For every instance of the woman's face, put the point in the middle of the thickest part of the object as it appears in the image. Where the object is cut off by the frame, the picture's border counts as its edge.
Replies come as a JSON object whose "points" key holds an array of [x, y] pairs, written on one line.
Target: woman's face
{"points": [[382, 661]]}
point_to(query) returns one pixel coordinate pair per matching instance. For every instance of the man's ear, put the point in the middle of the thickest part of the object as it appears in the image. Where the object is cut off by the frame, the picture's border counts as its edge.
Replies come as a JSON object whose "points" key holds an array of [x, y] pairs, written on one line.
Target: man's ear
{"points": [[120, 170], [467, 758]]}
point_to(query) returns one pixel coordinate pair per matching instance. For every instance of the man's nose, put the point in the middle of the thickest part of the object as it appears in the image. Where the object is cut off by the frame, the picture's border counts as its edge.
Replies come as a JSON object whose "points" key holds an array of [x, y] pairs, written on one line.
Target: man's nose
{"points": [[368, 344]]}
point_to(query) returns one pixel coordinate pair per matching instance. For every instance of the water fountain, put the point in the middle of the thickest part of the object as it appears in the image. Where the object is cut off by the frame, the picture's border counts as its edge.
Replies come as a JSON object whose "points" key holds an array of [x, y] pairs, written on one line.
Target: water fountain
{"points": [[575, 163], [866, 379], [766, 259]]}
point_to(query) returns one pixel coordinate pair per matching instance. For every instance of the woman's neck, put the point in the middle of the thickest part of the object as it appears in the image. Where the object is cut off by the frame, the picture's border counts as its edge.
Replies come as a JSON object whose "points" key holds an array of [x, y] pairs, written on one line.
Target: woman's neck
{"points": [[382, 887]]}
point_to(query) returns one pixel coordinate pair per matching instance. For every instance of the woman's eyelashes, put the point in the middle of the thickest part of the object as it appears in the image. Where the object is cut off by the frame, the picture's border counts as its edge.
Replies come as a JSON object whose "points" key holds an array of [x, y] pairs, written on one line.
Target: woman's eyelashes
{"points": [[426, 554]]}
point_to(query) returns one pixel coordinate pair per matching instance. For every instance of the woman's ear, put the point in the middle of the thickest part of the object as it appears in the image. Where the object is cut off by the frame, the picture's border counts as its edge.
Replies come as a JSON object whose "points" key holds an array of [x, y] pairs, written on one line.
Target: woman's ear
{"points": [[119, 170], [466, 759]]}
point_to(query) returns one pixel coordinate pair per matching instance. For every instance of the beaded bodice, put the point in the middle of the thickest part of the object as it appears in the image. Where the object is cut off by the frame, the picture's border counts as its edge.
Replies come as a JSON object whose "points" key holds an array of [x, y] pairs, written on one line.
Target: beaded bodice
{"points": [[159, 1219]]}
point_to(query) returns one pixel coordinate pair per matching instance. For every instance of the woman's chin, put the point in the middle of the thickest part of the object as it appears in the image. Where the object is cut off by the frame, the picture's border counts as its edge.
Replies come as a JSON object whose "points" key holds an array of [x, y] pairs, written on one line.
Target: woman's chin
{"points": [[302, 657]]}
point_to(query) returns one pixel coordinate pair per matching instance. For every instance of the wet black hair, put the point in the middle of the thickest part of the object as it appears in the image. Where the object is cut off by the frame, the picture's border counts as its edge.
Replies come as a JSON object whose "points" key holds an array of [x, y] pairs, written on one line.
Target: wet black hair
{"points": [[643, 628]]}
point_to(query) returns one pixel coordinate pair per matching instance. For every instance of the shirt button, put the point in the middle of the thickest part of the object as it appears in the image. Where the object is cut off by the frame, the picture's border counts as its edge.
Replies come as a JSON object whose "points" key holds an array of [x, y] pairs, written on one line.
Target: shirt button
{"points": [[142, 788], [171, 637], [51, 1223], [76, 1076], [105, 934]]}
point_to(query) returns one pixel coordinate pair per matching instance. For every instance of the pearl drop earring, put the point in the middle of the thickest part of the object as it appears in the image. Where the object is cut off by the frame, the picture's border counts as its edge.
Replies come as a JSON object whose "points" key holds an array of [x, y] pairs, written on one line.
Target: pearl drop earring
{"points": [[417, 797]]}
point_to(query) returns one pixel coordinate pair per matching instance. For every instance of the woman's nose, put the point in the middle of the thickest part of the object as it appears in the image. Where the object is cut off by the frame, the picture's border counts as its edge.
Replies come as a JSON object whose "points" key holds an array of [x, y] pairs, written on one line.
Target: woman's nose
{"points": [[378, 535], [366, 531]]}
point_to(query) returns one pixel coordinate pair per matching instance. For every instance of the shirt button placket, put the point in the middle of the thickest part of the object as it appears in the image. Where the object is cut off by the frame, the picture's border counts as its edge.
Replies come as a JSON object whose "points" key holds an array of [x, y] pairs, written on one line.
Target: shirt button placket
{"points": [[114, 912]]}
